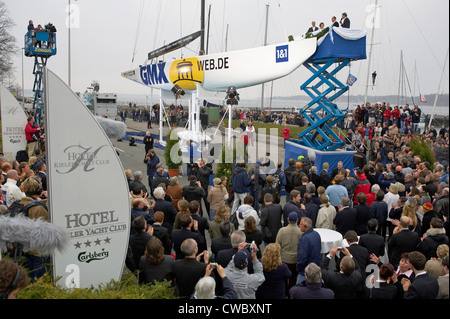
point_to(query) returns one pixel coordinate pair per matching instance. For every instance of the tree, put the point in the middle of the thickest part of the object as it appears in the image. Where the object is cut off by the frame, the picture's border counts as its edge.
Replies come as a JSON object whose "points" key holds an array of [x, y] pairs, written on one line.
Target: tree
{"points": [[8, 46]]}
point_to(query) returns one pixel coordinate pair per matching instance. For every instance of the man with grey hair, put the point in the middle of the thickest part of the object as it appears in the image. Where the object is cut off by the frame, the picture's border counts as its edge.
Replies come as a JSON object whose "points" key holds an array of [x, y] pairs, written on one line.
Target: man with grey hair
{"points": [[402, 241], [224, 256], [166, 207], [441, 204], [136, 185], [309, 248], [312, 287], [206, 286], [188, 271]]}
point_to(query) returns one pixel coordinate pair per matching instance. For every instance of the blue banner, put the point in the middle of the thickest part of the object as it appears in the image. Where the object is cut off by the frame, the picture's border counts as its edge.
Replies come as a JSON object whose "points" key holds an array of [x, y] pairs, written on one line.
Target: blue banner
{"points": [[351, 79]]}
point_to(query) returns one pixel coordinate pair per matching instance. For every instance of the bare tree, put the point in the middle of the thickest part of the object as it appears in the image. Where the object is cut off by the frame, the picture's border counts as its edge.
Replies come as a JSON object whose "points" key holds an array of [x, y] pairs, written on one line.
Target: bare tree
{"points": [[8, 46]]}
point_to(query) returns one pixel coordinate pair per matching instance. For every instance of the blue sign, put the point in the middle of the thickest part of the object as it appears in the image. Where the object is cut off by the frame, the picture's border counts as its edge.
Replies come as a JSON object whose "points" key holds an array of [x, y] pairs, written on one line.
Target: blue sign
{"points": [[351, 79], [282, 53]]}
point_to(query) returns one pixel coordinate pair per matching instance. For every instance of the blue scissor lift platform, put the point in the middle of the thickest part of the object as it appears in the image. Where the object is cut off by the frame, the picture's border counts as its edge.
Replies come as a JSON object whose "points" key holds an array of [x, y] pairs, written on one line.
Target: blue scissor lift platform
{"points": [[335, 51], [40, 45]]}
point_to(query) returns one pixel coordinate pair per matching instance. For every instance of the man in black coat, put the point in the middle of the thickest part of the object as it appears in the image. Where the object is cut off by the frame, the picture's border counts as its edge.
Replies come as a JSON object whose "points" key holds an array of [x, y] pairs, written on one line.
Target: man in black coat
{"points": [[139, 240], [345, 282], [424, 286], [166, 207], [403, 241], [160, 178], [202, 222], [161, 232], [372, 241], [189, 229], [188, 271], [193, 191], [223, 242], [345, 219], [224, 256]]}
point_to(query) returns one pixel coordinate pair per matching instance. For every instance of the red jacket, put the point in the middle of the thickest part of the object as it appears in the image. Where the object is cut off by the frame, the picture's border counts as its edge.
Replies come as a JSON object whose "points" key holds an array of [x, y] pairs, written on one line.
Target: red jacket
{"points": [[363, 187], [395, 113], [387, 114], [30, 130]]}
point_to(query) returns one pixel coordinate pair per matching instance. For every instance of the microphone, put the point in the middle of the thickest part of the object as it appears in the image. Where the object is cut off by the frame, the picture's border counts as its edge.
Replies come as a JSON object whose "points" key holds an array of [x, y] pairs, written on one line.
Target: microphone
{"points": [[34, 234], [112, 128]]}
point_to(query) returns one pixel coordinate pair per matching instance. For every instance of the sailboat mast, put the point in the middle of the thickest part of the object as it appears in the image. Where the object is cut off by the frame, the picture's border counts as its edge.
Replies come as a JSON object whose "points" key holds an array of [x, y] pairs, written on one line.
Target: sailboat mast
{"points": [[265, 43], [437, 93], [370, 52], [202, 28]]}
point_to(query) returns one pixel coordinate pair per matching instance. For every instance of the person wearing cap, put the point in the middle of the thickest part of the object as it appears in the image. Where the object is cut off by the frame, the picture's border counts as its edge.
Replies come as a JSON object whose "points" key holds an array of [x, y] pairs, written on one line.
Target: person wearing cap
{"points": [[288, 237], [309, 248], [385, 180], [245, 284]]}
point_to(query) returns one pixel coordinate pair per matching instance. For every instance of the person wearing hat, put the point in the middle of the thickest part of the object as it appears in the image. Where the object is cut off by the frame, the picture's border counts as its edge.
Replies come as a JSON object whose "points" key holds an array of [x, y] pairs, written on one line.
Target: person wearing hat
{"points": [[245, 284], [288, 237], [428, 214]]}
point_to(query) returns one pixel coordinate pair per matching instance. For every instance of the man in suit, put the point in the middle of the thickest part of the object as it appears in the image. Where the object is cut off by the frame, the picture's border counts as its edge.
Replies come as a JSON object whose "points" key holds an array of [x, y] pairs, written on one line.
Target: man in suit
{"points": [[345, 282], [224, 256], [345, 219], [372, 241], [334, 23], [313, 27], [166, 207], [188, 271], [161, 232], [424, 286], [202, 222], [189, 229], [223, 242], [42, 173], [160, 178], [138, 241], [345, 21], [403, 240]]}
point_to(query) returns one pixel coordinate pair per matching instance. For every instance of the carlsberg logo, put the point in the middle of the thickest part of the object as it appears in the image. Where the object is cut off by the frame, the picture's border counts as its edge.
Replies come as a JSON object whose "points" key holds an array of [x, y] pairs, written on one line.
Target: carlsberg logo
{"points": [[88, 257]]}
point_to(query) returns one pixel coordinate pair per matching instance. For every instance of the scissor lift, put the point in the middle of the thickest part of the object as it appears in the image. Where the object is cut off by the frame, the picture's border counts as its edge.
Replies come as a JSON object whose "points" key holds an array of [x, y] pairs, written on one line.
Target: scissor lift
{"points": [[40, 45]]}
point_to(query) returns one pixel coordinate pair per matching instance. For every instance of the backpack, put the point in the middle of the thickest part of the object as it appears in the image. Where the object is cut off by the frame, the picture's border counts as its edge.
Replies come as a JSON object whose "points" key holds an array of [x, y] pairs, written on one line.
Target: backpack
{"points": [[15, 251]]}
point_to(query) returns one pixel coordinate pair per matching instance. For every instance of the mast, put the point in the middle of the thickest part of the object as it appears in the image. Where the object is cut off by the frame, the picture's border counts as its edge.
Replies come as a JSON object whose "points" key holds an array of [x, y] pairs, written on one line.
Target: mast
{"points": [[370, 52], [265, 43], [437, 93], [202, 28]]}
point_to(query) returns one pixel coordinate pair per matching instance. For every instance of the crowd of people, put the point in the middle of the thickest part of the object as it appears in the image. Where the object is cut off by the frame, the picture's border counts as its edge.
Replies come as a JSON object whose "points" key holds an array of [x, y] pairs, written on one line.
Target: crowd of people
{"points": [[392, 212], [240, 239]]}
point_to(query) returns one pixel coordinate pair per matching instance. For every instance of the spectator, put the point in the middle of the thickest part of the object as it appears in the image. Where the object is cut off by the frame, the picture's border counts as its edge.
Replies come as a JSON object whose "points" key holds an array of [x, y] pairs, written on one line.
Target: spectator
{"points": [[166, 207], [13, 192], [244, 283], [324, 177], [223, 242], [383, 288], [269, 189], [245, 210], [175, 191], [345, 219], [238, 240], [312, 287], [138, 240], [372, 241], [206, 286], [241, 182], [271, 217], [151, 159], [223, 214], [189, 229], [217, 196], [309, 248], [32, 135], [326, 215], [434, 265], [202, 222], [362, 214], [188, 271], [402, 241], [193, 191], [13, 278], [443, 280], [336, 192], [276, 274], [424, 285], [161, 232], [155, 265], [345, 282], [288, 238], [433, 238]]}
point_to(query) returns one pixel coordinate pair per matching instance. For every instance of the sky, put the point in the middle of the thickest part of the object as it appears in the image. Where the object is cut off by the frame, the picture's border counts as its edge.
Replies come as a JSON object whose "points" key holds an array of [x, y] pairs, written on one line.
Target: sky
{"points": [[112, 36]]}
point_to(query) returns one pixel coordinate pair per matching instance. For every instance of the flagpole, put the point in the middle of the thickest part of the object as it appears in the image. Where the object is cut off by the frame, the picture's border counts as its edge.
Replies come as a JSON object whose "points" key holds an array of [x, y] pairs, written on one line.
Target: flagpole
{"points": [[437, 93]]}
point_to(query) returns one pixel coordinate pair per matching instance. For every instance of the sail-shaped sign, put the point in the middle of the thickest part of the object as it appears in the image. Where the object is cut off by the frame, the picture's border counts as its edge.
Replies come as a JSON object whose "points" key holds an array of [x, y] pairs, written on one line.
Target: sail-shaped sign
{"points": [[13, 124], [218, 71], [88, 192]]}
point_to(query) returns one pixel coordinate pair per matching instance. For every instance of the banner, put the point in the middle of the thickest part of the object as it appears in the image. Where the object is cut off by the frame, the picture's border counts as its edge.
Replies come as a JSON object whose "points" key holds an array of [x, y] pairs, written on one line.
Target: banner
{"points": [[422, 98], [88, 191], [14, 121]]}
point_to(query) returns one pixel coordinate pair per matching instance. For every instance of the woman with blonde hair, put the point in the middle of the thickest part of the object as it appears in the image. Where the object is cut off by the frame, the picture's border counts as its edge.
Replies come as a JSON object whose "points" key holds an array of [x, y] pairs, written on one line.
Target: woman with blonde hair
{"points": [[217, 195], [276, 274], [409, 210], [326, 214], [183, 208], [223, 213]]}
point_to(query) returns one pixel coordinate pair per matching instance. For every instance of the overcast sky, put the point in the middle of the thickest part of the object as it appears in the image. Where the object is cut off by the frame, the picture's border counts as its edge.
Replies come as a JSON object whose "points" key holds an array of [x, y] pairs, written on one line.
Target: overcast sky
{"points": [[107, 33]]}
